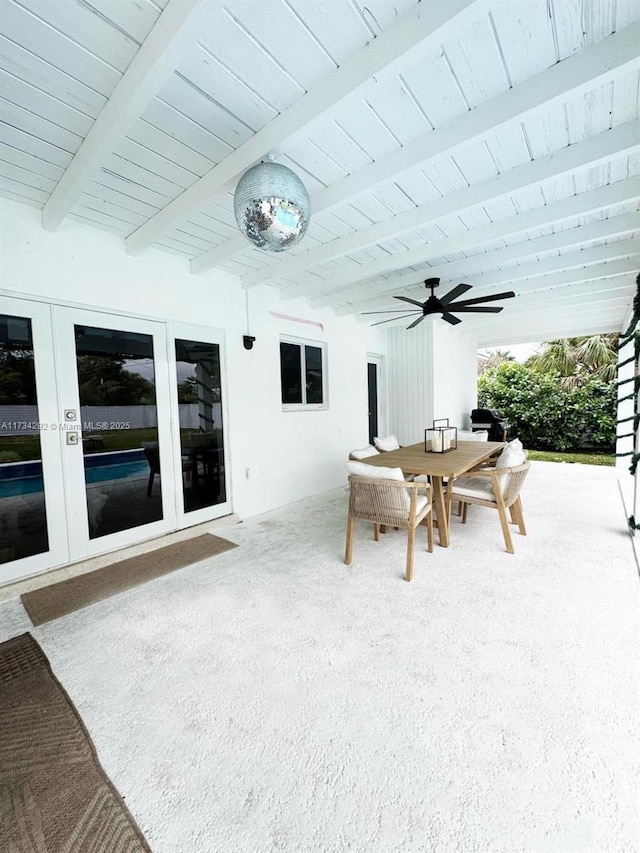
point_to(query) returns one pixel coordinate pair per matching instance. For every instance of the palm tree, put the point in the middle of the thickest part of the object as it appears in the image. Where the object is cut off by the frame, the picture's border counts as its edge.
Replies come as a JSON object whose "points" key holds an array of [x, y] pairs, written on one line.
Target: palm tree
{"points": [[494, 359], [576, 358]]}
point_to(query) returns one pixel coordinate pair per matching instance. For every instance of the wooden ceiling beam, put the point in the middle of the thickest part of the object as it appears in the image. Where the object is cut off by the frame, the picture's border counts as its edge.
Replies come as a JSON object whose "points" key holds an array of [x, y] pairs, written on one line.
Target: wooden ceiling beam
{"points": [[596, 65], [518, 260], [172, 35], [424, 23], [574, 158], [598, 282], [538, 275], [540, 217], [542, 329]]}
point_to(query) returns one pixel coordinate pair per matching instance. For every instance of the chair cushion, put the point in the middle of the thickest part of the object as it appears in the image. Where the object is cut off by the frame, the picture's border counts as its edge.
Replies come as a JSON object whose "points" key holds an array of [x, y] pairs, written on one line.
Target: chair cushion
{"points": [[389, 442], [364, 452], [474, 487], [470, 435], [512, 455], [361, 469], [421, 503]]}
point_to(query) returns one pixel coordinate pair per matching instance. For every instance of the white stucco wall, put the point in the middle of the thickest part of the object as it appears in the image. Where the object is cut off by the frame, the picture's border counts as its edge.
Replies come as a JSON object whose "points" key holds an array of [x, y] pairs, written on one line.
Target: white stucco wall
{"points": [[290, 455]]}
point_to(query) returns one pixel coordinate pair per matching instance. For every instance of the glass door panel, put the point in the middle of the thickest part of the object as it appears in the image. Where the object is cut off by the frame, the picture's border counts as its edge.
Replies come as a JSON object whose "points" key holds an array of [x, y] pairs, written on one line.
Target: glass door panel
{"points": [[201, 425], [119, 423], [115, 381], [31, 536], [23, 514]]}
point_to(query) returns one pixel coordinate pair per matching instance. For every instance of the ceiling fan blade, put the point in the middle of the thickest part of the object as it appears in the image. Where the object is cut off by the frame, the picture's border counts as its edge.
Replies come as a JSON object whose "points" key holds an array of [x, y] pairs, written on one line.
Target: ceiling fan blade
{"points": [[476, 309], [390, 311], [380, 322], [407, 299], [450, 318], [479, 299], [453, 294], [415, 322]]}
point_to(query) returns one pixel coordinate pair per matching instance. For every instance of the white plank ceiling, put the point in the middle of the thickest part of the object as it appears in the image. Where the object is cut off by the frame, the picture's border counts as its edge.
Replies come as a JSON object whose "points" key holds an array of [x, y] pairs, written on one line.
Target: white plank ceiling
{"points": [[494, 142]]}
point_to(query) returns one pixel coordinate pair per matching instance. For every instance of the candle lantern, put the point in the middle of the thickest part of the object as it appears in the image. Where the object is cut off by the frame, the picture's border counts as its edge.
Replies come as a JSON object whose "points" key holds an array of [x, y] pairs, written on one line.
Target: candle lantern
{"points": [[440, 438]]}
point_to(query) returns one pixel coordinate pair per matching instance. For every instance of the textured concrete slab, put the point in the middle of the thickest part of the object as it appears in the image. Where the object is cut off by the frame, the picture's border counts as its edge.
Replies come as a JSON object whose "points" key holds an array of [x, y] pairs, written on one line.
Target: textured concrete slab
{"points": [[276, 699]]}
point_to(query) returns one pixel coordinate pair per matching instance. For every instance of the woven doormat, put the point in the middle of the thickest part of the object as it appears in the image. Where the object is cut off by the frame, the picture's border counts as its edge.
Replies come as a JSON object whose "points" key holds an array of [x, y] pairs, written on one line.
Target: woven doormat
{"points": [[51, 602], [54, 795]]}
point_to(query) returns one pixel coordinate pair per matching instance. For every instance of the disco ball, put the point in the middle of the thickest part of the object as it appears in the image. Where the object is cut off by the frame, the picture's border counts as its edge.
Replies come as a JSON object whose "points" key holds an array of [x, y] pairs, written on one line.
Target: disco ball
{"points": [[272, 207]]}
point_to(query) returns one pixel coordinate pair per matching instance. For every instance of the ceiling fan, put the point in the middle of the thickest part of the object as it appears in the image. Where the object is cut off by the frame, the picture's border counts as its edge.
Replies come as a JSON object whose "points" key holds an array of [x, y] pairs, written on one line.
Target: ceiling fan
{"points": [[444, 306]]}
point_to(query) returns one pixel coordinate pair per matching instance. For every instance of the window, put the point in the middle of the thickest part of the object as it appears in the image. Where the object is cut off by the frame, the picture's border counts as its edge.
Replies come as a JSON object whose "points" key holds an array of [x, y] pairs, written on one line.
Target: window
{"points": [[302, 375]]}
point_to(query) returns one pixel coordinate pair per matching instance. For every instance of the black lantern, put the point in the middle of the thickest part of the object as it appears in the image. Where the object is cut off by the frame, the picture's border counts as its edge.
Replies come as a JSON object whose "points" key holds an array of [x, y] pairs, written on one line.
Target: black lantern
{"points": [[440, 438]]}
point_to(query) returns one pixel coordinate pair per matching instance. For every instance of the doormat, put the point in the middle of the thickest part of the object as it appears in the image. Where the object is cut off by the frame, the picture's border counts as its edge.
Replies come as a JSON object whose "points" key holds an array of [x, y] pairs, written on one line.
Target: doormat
{"points": [[51, 602], [54, 793]]}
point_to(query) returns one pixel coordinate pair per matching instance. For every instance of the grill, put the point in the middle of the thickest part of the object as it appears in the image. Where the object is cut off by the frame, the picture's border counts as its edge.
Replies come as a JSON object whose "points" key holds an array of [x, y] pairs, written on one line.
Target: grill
{"points": [[491, 420]]}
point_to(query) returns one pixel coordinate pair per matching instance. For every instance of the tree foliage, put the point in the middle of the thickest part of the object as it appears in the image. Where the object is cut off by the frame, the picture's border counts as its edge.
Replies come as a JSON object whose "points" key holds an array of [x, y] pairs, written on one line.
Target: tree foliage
{"points": [[578, 359], [17, 376], [108, 382], [545, 413], [495, 358]]}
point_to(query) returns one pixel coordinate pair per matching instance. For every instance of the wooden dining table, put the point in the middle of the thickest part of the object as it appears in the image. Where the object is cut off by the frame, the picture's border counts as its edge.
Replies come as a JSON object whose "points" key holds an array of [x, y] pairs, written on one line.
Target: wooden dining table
{"points": [[439, 467]]}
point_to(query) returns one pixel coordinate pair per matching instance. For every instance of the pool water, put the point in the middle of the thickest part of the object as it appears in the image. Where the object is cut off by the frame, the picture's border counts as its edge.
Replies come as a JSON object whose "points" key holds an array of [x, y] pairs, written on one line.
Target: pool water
{"points": [[99, 468]]}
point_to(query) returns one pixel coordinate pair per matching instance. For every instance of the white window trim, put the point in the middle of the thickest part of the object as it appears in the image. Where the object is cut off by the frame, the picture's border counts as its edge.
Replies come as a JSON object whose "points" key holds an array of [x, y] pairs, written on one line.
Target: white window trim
{"points": [[306, 407]]}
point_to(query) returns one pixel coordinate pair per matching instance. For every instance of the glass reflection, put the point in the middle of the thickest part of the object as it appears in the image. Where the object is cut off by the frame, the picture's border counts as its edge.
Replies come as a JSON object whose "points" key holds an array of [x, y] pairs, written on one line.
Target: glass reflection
{"points": [[119, 419], [201, 430], [23, 519]]}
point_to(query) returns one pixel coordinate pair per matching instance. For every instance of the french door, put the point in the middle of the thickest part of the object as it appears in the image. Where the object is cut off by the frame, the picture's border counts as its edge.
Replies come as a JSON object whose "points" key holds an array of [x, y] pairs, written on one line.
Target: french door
{"points": [[33, 532], [112, 433]]}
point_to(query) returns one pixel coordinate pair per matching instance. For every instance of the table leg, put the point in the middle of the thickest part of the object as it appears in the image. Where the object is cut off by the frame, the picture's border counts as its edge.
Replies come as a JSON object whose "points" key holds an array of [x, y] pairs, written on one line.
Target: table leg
{"points": [[441, 511]]}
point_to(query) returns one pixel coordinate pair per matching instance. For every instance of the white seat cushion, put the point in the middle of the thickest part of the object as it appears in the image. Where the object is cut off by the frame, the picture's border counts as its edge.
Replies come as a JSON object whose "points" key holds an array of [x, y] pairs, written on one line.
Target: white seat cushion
{"points": [[361, 469], [512, 455], [474, 487], [389, 442], [364, 452], [421, 503], [470, 435]]}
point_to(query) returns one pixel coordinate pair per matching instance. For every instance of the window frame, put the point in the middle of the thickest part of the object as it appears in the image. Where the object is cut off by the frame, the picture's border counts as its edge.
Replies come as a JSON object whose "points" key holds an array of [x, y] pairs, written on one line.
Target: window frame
{"points": [[302, 343]]}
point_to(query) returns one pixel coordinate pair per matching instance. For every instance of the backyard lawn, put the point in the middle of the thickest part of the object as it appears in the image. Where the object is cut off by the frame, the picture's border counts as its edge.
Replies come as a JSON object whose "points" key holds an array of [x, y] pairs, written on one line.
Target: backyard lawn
{"points": [[583, 458]]}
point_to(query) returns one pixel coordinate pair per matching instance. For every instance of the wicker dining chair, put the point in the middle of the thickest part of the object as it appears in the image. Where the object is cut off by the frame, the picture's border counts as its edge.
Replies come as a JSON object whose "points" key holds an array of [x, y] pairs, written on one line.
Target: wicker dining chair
{"points": [[388, 503], [496, 488]]}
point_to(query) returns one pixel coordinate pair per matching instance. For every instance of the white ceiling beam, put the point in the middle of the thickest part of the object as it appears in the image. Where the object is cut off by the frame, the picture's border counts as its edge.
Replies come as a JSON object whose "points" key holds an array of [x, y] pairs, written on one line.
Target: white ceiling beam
{"points": [[541, 330], [550, 316], [583, 155], [535, 275], [539, 217], [532, 293], [173, 34], [488, 262], [423, 25], [596, 65], [547, 321], [524, 306]]}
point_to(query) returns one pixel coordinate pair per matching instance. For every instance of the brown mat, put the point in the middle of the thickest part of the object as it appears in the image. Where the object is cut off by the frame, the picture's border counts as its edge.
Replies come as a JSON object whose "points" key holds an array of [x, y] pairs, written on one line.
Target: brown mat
{"points": [[54, 795], [51, 602]]}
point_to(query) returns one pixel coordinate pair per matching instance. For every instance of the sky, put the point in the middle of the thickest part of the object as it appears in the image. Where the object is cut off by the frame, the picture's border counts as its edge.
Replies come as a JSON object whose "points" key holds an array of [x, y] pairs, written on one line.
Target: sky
{"points": [[520, 352]]}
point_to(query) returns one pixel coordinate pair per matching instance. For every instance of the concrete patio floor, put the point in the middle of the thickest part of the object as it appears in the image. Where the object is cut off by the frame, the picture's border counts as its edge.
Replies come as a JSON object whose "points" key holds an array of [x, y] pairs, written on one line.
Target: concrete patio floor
{"points": [[272, 698]]}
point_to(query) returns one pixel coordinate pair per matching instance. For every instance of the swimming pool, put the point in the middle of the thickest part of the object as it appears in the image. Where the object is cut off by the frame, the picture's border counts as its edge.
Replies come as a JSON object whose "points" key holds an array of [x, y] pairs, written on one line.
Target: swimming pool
{"points": [[25, 478]]}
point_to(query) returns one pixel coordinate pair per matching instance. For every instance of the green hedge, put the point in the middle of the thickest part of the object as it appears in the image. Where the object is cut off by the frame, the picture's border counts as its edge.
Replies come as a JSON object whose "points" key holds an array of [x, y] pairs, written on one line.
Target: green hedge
{"points": [[546, 415]]}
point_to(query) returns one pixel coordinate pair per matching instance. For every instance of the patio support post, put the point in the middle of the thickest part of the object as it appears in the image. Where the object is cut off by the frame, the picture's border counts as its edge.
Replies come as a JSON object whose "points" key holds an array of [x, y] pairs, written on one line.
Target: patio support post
{"points": [[628, 412]]}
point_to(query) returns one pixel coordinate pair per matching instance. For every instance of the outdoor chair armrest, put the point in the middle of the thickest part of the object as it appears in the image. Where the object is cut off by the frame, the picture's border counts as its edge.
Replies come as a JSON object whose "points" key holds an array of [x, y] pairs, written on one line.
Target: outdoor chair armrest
{"points": [[490, 470]]}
